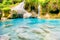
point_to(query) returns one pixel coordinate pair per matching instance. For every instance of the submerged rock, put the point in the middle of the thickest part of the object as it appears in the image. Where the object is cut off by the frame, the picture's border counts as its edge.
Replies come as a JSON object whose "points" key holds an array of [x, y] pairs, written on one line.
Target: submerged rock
{"points": [[3, 19], [6, 26], [4, 37]]}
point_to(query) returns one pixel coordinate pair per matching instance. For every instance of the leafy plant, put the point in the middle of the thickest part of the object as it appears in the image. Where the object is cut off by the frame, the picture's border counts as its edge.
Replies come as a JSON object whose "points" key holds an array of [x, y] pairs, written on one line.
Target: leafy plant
{"points": [[6, 9], [7, 2]]}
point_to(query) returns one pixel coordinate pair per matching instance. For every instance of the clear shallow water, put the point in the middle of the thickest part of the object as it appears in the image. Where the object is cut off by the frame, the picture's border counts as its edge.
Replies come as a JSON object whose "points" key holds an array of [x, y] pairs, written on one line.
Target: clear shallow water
{"points": [[31, 29]]}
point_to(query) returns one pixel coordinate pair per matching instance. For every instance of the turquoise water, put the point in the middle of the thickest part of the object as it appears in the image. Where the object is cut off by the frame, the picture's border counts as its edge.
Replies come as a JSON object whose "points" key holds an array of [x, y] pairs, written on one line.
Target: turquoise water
{"points": [[10, 26]]}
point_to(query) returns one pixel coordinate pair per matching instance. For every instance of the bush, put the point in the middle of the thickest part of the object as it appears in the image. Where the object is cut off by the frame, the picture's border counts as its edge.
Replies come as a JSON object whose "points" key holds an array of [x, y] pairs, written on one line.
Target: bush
{"points": [[1, 6], [43, 3], [6, 11], [16, 1], [31, 5], [7, 2]]}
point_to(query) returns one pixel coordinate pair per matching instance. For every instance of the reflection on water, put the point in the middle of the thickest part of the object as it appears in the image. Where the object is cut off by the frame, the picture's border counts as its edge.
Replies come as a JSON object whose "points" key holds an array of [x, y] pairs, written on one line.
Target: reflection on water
{"points": [[30, 29]]}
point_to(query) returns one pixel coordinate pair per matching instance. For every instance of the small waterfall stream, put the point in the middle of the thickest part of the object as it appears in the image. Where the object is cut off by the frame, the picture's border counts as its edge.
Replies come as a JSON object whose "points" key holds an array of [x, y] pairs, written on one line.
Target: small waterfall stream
{"points": [[39, 8]]}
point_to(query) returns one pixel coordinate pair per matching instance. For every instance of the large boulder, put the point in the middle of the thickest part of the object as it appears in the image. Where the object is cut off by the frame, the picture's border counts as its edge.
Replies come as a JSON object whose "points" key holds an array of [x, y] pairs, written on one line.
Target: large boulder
{"points": [[27, 15], [19, 10]]}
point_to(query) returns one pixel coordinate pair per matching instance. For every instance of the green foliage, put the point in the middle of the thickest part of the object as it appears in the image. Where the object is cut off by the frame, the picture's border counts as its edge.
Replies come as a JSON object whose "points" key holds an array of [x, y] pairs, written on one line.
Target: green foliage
{"points": [[17, 1], [6, 9], [1, 6], [14, 15], [31, 3], [43, 3], [7, 2]]}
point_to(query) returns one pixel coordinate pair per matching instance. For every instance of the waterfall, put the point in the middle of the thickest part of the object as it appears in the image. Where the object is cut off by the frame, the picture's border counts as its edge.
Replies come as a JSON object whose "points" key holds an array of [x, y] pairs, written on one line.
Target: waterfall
{"points": [[39, 8]]}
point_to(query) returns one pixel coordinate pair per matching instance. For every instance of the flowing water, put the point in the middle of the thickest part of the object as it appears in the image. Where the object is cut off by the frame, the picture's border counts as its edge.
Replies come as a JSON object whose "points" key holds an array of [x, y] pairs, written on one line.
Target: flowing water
{"points": [[39, 9]]}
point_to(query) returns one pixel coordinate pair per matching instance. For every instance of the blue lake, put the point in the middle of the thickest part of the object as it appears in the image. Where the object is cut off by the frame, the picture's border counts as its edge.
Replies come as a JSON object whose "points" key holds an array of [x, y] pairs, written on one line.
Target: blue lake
{"points": [[9, 25]]}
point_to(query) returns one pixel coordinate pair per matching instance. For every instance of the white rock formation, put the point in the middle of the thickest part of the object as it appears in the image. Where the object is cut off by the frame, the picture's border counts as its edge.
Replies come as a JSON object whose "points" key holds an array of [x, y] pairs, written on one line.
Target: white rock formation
{"points": [[27, 15], [20, 10]]}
